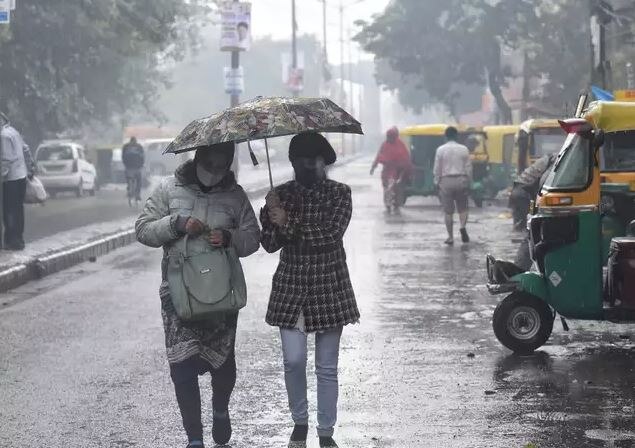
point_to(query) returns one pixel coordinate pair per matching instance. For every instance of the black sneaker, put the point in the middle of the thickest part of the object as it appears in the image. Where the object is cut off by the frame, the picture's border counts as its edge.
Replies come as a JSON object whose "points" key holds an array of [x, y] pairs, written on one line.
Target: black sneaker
{"points": [[464, 236], [328, 442], [195, 444], [299, 436], [221, 428]]}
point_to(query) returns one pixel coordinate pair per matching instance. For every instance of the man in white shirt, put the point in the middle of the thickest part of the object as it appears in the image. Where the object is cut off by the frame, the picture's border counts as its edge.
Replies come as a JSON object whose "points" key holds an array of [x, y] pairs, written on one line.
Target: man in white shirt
{"points": [[14, 173], [453, 177]]}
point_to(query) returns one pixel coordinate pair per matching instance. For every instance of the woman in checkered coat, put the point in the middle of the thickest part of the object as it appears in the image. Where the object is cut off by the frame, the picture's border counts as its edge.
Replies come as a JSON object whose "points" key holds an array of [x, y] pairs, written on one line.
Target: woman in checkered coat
{"points": [[312, 291]]}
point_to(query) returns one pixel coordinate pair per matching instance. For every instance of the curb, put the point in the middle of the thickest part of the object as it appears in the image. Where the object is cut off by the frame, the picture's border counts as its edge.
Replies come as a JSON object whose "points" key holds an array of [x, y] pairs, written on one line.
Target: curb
{"points": [[40, 267]]}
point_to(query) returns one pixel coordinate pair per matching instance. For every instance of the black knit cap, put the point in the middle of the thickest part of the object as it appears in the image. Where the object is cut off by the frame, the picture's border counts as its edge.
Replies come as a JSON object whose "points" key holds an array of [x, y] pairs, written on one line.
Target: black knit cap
{"points": [[311, 144]]}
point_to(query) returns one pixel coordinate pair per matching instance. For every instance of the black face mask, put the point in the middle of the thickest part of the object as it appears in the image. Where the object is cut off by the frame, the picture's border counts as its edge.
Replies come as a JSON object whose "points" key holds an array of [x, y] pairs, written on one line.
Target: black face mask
{"points": [[309, 171]]}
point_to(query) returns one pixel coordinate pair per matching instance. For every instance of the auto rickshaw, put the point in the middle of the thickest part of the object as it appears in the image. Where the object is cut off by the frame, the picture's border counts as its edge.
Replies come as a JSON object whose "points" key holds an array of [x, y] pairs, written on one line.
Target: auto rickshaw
{"points": [[423, 141], [537, 138], [501, 141], [574, 228]]}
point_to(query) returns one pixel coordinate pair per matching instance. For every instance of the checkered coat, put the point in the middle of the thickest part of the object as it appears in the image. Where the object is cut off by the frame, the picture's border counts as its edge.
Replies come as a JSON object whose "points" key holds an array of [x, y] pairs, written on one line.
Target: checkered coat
{"points": [[312, 277]]}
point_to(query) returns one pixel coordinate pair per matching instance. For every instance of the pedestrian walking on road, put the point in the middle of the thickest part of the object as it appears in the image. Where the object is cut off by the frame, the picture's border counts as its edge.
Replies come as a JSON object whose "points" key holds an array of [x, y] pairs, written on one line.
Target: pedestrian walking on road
{"points": [[312, 291], [453, 177], [15, 170], [395, 158], [202, 195], [133, 158]]}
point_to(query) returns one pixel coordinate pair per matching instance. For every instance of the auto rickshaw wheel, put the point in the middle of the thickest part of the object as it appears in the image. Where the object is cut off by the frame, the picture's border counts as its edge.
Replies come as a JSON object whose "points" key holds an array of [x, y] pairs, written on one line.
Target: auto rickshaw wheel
{"points": [[522, 322]]}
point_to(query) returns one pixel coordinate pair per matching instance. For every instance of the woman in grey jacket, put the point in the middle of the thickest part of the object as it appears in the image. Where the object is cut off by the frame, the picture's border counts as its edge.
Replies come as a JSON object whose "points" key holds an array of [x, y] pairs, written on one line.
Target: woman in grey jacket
{"points": [[201, 200]]}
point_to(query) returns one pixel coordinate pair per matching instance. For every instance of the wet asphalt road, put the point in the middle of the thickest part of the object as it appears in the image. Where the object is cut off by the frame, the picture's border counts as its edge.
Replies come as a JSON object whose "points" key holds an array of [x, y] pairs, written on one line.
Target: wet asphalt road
{"points": [[67, 212], [82, 359]]}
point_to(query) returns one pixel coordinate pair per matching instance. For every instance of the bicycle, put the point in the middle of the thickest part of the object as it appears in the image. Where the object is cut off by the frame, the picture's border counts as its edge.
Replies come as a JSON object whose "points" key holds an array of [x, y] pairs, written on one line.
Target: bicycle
{"points": [[133, 185]]}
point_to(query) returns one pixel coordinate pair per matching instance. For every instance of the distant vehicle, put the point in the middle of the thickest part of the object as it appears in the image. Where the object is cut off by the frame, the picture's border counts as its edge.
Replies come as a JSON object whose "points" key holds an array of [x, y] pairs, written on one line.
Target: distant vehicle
{"points": [[537, 138], [63, 167], [117, 170], [157, 163]]}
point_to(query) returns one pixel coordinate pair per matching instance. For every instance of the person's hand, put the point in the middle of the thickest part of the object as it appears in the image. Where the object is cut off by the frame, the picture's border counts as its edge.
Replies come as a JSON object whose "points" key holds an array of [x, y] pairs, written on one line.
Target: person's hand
{"points": [[273, 200], [194, 227], [218, 238], [278, 216]]}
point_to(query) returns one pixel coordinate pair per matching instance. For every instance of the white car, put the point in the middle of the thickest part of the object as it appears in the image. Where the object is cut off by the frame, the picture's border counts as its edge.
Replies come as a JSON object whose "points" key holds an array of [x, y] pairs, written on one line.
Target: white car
{"points": [[62, 166]]}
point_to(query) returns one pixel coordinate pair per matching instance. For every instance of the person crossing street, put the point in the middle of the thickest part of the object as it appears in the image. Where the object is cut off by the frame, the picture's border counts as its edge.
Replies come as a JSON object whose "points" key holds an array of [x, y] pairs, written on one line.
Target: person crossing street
{"points": [[453, 177]]}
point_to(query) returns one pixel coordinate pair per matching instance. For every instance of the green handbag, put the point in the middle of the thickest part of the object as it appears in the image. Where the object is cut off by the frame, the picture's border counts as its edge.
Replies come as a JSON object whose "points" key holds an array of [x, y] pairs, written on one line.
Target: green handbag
{"points": [[204, 281]]}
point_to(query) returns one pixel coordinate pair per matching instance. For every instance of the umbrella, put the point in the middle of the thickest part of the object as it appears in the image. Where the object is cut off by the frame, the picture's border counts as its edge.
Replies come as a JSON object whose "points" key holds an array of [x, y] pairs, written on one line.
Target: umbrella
{"points": [[262, 118]]}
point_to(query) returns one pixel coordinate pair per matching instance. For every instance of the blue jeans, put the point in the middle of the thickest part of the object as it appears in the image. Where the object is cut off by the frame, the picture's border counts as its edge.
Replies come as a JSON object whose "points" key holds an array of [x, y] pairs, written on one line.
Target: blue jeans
{"points": [[294, 351]]}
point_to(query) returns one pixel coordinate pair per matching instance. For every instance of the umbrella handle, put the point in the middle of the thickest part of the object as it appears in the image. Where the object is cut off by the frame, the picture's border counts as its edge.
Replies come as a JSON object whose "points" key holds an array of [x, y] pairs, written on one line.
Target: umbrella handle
{"points": [[254, 160], [269, 164]]}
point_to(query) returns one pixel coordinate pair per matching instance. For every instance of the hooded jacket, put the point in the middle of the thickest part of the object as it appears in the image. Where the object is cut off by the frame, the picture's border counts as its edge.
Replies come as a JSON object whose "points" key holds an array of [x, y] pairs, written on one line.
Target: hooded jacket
{"points": [[394, 156]]}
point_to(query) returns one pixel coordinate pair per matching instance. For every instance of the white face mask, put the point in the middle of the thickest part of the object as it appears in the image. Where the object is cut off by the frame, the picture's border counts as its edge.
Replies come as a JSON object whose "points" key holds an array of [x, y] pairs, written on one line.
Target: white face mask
{"points": [[209, 179]]}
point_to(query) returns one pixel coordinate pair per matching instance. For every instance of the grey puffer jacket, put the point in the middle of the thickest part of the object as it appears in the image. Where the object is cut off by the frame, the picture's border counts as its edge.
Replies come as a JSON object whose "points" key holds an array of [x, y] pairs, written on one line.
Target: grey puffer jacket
{"points": [[225, 207]]}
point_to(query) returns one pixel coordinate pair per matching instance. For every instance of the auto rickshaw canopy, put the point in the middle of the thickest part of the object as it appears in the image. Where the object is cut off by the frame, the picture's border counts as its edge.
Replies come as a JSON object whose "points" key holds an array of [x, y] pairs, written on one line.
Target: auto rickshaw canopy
{"points": [[538, 123], [611, 116], [433, 129]]}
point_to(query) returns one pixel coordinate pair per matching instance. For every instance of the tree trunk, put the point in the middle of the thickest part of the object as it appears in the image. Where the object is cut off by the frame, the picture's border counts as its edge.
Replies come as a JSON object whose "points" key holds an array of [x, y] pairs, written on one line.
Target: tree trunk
{"points": [[501, 102], [495, 78]]}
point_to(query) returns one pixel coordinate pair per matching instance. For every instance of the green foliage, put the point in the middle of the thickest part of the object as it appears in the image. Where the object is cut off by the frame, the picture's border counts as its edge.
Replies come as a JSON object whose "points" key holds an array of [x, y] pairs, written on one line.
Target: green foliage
{"points": [[439, 45], [66, 63]]}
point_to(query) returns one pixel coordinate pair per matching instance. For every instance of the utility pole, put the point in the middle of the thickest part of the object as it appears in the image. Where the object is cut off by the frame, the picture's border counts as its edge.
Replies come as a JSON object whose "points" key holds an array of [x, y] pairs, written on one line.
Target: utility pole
{"points": [[350, 84], [294, 44], [599, 19], [326, 56], [342, 94], [234, 98]]}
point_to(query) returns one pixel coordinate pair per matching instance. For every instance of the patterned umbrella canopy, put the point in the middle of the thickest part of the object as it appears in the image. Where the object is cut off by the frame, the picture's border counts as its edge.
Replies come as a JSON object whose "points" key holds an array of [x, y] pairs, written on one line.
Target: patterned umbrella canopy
{"points": [[263, 118]]}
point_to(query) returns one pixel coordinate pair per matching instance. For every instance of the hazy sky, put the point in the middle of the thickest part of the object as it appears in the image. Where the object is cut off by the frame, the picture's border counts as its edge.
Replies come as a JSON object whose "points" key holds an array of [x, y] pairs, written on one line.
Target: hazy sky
{"points": [[273, 18]]}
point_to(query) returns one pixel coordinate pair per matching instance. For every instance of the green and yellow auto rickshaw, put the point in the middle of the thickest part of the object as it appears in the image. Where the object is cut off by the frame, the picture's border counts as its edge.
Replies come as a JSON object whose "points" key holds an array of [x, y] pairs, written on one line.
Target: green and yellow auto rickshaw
{"points": [[537, 138], [423, 141], [585, 267], [501, 143]]}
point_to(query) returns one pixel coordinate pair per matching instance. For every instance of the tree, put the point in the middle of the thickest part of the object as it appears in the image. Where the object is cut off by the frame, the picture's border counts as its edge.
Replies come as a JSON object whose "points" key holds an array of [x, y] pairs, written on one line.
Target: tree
{"points": [[445, 44], [67, 62]]}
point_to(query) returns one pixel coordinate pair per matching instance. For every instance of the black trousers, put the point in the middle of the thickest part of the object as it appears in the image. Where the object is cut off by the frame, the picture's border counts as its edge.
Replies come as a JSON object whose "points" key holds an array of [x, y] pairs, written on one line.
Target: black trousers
{"points": [[185, 378], [13, 192]]}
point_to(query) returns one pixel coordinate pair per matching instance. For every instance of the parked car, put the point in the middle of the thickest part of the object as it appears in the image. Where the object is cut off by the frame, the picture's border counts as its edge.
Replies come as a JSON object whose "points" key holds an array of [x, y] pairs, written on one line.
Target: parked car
{"points": [[62, 166]]}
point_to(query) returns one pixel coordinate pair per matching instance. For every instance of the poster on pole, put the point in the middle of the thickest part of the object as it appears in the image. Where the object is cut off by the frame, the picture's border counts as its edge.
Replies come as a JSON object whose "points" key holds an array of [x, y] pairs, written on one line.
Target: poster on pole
{"points": [[293, 78], [235, 26], [234, 80], [5, 11]]}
